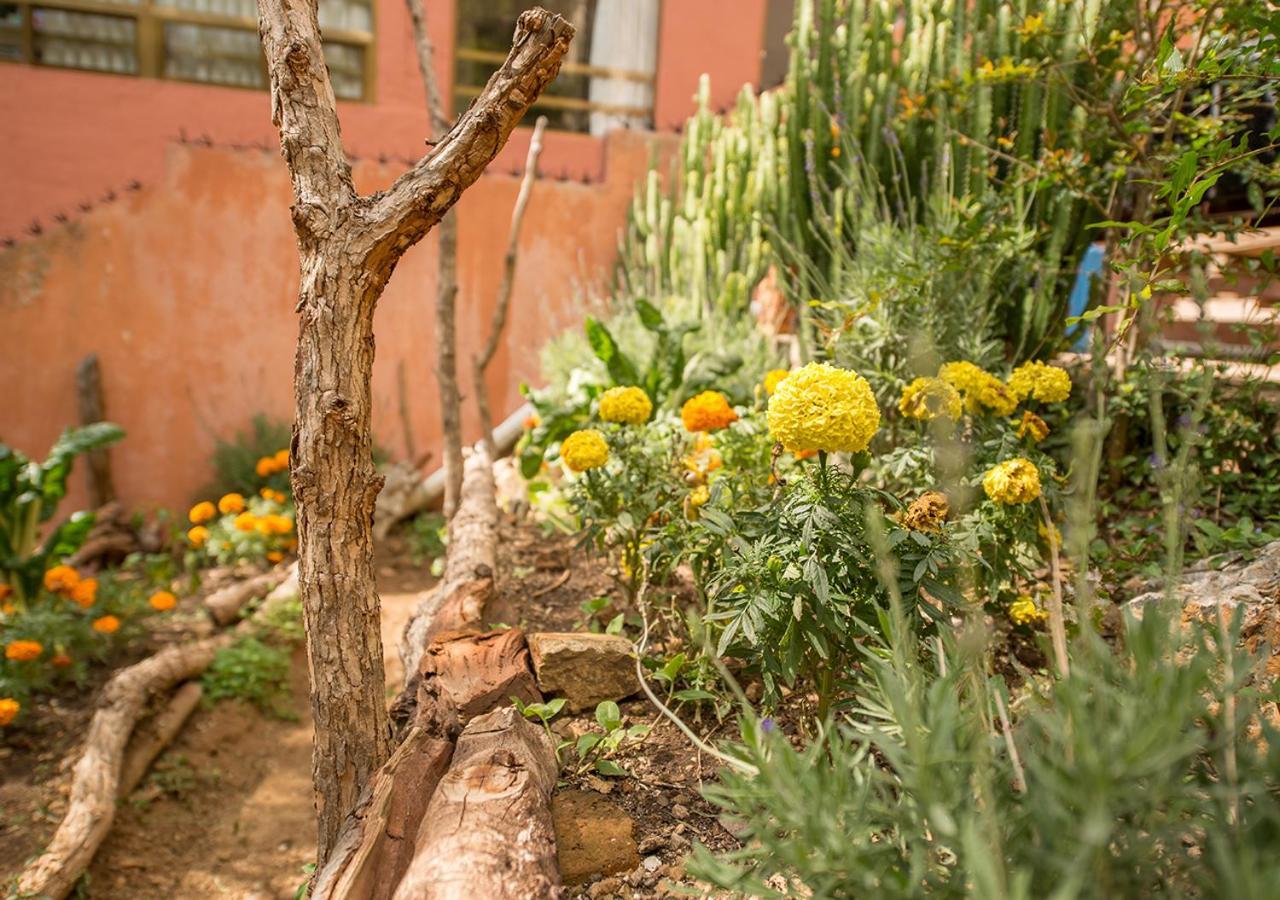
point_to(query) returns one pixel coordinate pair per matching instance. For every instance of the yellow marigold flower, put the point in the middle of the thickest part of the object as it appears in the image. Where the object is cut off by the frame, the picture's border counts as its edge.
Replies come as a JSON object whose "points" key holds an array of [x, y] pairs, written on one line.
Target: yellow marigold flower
{"points": [[1024, 611], [627, 405], [698, 498], [708, 411], [1033, 426], [1045, 533], [61, 579], [930, 398], [231, 503], [265, 466], [85, 593], [198, 535], [23, 651], [9, 709], [927, 512], [1032, 26], [584, 450], [773, 378], [106, 625], [246, 521], [162, 601], [60, 660], [1046, 383], [821, 407], [1012, 481], [202, 512], [274, 556], [272, 495], [282, 459], [980, 388]]}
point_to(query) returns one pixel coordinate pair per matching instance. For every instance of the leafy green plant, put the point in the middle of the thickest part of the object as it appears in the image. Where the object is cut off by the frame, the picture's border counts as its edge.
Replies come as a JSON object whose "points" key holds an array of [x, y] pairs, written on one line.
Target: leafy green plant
{"points": [[595, 749], [252, 671], [235, 462], [30, 492], [426, 534]]}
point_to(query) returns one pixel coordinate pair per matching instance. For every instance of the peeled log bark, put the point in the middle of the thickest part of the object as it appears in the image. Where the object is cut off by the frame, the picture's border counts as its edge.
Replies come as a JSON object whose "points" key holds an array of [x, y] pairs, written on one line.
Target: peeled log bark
{"points": [[150, 739], [224, 605], [457, 602], [487, 831]]}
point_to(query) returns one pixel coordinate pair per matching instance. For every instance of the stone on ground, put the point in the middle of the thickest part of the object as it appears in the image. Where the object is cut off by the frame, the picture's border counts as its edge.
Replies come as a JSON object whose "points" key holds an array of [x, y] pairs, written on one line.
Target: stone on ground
{"points": [[585, 669]]}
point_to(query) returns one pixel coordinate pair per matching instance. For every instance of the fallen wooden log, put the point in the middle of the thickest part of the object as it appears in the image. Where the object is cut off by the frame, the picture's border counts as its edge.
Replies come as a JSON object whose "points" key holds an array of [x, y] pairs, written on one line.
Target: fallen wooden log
{"points": [[487, 831], [150, 738], [98, 776], [224, 604]]}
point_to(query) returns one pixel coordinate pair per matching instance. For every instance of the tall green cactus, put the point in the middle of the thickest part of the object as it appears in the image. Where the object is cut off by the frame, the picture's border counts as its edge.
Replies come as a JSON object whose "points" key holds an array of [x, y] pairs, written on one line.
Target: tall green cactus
{"points": [[963, 98]]}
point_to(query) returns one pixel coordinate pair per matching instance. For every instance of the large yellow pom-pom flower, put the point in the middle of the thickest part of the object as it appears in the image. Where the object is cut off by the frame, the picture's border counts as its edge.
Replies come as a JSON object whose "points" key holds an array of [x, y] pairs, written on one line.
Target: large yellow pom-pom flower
{"points": [[9, 709], [980, 388], [1046, 383], [821, 407], [627, 405], [708, 411], [1012, 481], [231, 503], [584, 450], [1024, 611], [23, 651], [1033, 426], [202, 512], [930, 398], [773, 378]]}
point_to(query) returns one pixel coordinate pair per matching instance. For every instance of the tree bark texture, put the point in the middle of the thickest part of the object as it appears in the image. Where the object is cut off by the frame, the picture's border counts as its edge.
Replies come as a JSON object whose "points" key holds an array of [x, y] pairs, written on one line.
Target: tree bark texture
{"points": [[446, 281], [102, 489], [480, 362], [348, 247], [488, 831], [151, 737]]}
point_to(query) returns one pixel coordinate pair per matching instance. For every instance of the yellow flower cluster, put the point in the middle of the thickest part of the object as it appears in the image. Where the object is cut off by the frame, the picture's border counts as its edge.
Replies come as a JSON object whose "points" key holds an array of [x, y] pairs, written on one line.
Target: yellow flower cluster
{"points": [[930, 398], [66, 581], [270, 465], [9, 709], [1046, 383], [704, 460], [1005, 70], [273, 496], [23, 651], [981, 389], [821, 407], [1033, 426], [584, 450], [927, 512], [773, 378], [1012, 481], [708, 411], [625, 405], [1024, 611]]}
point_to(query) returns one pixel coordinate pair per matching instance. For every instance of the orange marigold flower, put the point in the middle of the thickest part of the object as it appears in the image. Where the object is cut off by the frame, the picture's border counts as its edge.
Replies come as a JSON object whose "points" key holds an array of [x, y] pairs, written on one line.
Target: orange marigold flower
{"points": [[265, 466], [23, 651], [708, 411], [8, 609], [5, 591], [805, 454], [61, 660], [246, 521], [231, 503], [282, 459], [61, 579], [202, 512], [85, 593], [8, 710], [198, 535], [272, 495], [106, 625], [162, 601], [274, 556]]}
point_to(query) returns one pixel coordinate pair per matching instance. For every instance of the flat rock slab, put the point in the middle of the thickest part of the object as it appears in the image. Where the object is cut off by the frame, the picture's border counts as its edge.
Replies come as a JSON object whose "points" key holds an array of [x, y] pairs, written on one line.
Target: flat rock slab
{"points": [[585, 669], [594, 836]]}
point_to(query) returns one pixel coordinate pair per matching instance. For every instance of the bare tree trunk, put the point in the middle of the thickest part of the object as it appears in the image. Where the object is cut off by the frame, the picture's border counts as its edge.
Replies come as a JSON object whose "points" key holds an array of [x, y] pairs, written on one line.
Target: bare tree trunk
{"points": [[446, 283], [480, 362], [406, 421], [348, 247], [102, 489]]}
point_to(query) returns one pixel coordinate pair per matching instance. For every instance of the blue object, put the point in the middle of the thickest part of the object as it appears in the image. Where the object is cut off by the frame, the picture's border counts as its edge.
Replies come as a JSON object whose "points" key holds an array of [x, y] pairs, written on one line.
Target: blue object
{"points": [[1090, 266]]}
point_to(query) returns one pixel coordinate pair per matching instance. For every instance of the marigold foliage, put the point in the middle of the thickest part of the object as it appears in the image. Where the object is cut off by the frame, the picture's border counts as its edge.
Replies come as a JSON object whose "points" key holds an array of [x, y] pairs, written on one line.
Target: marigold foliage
{"points": [[625, 405], [1041, 381], [930, 398], [822, 407], [708, 411], [9, 709], [1012, 481], [23, 651], [584, 450]]}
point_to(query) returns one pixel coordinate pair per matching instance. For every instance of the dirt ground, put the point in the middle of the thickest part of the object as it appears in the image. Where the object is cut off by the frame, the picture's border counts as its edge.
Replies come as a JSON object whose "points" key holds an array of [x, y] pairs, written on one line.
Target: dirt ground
{"points": [[226, 811]]}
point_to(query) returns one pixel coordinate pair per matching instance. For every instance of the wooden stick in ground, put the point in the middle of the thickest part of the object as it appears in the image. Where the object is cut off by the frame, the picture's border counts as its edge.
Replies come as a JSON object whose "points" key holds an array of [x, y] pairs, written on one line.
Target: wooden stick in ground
{"points": [[480, 362], [348, 247], [102, 489], [446, 281], [488, 832], [150, 738]]}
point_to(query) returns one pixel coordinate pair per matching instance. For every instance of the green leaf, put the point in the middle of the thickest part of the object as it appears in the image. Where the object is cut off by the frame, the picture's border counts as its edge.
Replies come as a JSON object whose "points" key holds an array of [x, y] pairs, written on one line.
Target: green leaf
{"points": [[610, 768], [606, 349], [587, 742], [608, 715], [649, 316]]}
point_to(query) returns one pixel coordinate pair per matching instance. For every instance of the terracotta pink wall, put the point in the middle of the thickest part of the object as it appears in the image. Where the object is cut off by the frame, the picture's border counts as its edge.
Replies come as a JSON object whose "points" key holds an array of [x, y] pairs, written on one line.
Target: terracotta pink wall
{"points": [[185, 286]]}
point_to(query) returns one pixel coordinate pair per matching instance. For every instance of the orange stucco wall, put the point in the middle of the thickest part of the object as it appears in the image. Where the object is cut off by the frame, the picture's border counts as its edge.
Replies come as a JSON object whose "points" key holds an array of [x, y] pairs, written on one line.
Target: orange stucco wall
{"points": [[184, 286]]}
